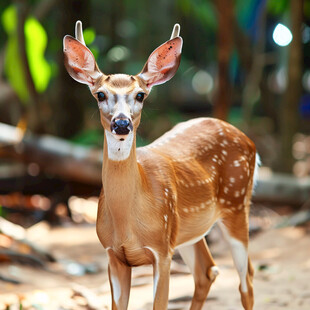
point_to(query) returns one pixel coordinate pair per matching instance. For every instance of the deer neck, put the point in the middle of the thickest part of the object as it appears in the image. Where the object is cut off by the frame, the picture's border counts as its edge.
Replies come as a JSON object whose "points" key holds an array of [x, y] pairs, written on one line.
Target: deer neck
{"points": [[120, 176]]}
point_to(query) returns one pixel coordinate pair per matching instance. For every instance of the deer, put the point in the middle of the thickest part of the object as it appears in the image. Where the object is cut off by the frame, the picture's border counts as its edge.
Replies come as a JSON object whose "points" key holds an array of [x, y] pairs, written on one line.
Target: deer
{"points": [[169, 194]]}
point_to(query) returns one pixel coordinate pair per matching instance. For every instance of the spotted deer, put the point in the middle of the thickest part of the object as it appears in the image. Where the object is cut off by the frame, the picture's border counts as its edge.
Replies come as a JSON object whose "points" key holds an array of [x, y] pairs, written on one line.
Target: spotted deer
{"points": [[169, 194]]}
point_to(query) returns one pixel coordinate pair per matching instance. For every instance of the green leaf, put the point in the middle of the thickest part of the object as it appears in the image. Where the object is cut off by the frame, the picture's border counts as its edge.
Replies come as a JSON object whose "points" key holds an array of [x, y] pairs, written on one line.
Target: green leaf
{"points": [[13, 70], [13, 66], [89, 35], [35, 45], [36, 41], [9, 20]]}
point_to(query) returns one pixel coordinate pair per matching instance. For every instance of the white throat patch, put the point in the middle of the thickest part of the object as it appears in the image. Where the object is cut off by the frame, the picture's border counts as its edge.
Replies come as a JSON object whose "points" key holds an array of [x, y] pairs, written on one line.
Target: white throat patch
{"points": [[118, 150]]}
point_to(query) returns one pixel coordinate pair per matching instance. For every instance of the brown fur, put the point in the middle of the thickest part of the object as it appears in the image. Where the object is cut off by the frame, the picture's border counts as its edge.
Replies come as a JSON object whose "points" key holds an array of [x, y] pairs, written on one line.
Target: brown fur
{"points": [[134, 200], [171, 192]]}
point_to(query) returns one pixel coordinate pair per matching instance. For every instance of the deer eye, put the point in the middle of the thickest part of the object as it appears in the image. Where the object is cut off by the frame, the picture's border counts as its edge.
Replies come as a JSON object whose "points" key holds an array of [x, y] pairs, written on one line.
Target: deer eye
{"points": [[101, 96], [140, 97]]}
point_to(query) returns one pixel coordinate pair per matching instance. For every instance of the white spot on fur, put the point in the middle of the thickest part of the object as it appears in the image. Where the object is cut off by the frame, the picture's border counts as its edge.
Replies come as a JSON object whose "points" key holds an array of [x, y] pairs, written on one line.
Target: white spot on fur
{"points": [[237, 194], [224, 152], [232, 180], [236, 163]]}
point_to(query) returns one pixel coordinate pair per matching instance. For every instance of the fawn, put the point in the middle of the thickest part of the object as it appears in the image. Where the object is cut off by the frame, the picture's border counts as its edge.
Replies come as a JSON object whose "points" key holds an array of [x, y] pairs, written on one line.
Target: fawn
{"points": [[168, 194]]}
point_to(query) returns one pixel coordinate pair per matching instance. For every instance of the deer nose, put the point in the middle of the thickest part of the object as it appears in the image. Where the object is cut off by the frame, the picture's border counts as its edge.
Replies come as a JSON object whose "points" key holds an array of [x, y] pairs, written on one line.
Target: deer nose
{"points": [[121, 126]]}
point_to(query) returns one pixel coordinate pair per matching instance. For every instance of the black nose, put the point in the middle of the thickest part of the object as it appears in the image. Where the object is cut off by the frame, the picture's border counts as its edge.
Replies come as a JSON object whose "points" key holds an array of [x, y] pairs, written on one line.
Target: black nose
{"points": [[121, 126]]}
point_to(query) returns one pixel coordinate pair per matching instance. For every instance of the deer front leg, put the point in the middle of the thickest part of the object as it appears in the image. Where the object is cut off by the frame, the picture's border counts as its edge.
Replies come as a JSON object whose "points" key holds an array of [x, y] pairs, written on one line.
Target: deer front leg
{"points": [[161, 283], [120, 280], [161, 275]]}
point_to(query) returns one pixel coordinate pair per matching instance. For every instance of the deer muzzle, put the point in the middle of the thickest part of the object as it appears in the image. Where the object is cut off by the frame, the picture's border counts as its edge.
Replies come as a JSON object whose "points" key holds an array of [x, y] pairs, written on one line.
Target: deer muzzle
{"points": [[121, 125]]}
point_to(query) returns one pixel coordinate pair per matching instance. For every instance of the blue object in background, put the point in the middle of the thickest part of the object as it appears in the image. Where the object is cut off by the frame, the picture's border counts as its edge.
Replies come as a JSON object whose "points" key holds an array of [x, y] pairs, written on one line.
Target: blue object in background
{"points": [[304, 106]]}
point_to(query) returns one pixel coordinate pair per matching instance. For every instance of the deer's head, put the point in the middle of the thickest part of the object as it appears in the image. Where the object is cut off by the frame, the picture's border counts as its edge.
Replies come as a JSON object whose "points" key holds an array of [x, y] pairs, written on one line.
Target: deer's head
{"points": [[120, 97]]}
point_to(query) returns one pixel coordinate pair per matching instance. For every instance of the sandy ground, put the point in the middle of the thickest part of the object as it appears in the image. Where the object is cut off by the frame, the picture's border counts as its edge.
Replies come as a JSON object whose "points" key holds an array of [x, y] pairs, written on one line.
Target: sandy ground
{"points": [[281, 258]]}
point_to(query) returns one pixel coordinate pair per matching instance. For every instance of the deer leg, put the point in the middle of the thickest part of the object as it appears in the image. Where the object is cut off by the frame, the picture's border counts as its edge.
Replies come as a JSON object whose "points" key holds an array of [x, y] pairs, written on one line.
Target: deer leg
{"points": [[120, 280], [161, 268], [199, 260], [238, 242]]}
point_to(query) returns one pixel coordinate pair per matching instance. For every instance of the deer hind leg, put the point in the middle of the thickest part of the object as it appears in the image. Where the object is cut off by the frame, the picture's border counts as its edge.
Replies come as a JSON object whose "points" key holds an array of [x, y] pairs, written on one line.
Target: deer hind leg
{"points": [[120, 280], [199, 260], [236, 232]]}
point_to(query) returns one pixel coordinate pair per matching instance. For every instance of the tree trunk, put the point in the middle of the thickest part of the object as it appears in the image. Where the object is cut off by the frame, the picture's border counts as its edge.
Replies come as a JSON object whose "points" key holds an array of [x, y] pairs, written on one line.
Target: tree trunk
{"points": [[54, 156], [289, 116], [225, 36]]}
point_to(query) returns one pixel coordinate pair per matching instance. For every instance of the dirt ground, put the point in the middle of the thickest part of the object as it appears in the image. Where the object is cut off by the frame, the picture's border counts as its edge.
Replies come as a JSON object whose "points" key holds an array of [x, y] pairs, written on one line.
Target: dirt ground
{"points": [[281, 258]]}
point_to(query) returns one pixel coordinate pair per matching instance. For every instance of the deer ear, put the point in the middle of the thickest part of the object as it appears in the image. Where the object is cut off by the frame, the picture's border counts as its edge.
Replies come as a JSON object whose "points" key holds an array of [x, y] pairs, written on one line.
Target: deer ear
{"points": [[163, 63], [80, 62]]}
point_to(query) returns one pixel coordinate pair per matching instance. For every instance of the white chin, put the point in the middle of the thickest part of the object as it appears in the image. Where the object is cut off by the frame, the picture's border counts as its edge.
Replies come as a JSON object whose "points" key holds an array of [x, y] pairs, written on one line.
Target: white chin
{"points": [[119, 137], [119, 149]]}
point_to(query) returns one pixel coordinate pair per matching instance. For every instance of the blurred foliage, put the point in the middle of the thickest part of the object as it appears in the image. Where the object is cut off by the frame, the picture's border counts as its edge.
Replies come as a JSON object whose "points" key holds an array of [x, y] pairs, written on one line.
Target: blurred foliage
{"points": [[89, 38], [201, 11], [35, 43], [277, 7], [89, 137], [121, 34]]}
